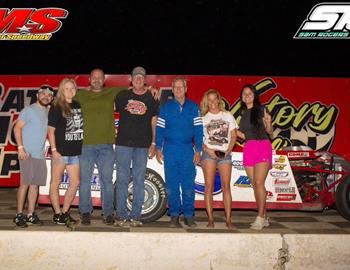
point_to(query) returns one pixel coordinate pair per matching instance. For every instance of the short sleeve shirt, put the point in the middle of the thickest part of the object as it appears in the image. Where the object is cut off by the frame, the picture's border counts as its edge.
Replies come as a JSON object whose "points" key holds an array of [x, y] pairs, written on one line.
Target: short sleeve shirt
{"points": [[217, 130]]}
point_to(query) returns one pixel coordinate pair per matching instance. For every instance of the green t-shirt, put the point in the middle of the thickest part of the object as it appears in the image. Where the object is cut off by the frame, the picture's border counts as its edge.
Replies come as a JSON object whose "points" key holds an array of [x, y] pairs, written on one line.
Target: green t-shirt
{"points": [[98, 115]]}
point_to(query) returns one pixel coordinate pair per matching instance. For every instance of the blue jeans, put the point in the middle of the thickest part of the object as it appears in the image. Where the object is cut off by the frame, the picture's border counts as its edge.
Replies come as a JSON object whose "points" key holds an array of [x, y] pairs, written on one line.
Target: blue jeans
{"points": [[125, 157], [103, 156]]}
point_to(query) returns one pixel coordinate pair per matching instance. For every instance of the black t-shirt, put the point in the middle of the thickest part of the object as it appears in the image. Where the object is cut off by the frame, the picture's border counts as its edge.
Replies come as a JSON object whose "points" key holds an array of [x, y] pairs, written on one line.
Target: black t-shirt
{"points": [[135, 116], [247, 128], [69, 131]]}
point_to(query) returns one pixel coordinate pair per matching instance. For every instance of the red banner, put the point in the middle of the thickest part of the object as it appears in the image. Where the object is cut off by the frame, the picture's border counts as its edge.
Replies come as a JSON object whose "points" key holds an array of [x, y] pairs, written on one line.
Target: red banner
{"points": [[306, 111]]}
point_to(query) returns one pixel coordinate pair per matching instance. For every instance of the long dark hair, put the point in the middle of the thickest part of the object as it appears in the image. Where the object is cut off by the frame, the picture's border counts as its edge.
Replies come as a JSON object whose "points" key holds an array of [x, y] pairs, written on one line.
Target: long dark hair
{"points": [[256, 114]]}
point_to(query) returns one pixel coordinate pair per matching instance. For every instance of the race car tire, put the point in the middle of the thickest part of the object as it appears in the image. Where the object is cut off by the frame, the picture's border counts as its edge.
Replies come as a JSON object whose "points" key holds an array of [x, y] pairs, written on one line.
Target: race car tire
{"points": [[343, 198], [155, 201]]}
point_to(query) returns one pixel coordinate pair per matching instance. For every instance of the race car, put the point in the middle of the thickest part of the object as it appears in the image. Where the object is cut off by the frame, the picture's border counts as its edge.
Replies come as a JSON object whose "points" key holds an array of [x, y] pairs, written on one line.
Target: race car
{"points": [[300, 179]]}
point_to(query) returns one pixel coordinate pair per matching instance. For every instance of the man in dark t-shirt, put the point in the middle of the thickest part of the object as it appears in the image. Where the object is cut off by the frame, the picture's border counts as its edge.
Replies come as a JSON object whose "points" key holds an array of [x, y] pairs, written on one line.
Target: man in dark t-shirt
{"points": [[135, 142]]}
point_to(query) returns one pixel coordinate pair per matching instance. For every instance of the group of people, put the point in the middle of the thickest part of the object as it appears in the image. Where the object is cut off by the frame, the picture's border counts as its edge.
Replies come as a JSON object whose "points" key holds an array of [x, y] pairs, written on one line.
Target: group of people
{"points": [[80, 126]]}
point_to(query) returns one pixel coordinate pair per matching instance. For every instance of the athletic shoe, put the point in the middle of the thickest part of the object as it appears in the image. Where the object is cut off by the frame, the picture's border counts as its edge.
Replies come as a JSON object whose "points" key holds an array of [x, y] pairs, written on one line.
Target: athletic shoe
{"points": [[85, 219], [109, 220], [121, 222], [56, 218], [34, 220], [20, 220], [135, 223], [259, 223], [66, 219]]}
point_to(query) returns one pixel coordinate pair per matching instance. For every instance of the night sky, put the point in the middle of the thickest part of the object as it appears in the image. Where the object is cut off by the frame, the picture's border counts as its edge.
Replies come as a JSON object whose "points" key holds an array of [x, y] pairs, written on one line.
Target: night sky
{"points": [[239, 37]]}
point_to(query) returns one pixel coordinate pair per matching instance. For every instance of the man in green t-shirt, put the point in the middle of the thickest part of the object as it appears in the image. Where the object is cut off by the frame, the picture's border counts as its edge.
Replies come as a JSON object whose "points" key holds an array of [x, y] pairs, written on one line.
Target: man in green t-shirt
{"points": [[97, 105]]}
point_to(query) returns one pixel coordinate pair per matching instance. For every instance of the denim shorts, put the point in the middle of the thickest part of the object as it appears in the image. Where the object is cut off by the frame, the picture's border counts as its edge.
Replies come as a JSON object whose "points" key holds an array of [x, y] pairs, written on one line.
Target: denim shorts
{"points": [[68, 160], [228, 159]]}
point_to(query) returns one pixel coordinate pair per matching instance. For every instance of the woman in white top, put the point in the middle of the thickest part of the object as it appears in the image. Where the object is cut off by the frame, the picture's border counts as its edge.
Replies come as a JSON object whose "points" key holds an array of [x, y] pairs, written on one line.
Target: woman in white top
{"points": [[220, 130]]}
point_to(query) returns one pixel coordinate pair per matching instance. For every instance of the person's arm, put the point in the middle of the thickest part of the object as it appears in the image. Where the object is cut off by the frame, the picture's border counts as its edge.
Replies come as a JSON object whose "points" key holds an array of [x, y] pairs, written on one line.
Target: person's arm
{"points": [[22, 154], [152, 148], [160, 129], [52, 140], [267, 122], [198, 136], [240, 135], [233, 134]]}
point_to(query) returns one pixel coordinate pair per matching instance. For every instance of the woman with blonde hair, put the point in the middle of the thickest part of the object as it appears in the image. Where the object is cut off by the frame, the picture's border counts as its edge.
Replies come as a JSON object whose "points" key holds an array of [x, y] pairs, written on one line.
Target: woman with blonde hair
{"points": [[219, 138], [65, 133]]}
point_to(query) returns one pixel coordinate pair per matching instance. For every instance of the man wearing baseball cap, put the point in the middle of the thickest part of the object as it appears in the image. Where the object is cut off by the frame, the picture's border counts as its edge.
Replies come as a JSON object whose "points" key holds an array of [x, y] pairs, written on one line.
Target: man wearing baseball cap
{"points": [[30, 133], [135, 143]]}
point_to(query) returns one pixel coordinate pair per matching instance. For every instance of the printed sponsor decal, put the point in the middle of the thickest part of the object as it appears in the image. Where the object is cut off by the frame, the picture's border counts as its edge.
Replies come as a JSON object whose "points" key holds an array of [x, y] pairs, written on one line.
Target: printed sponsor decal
{"points": [[281, 182], [30, 23], [238, 165], [278, 174], [243, 181], [280, 159], [279, 166], [269, 195], [286, 197], [298, 154], [285, 189]]}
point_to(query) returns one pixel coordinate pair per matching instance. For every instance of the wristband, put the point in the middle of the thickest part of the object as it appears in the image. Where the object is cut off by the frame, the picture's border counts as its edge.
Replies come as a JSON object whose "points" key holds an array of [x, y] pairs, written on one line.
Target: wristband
{"points": [[153, 143], [20, 147], [53, 149]]}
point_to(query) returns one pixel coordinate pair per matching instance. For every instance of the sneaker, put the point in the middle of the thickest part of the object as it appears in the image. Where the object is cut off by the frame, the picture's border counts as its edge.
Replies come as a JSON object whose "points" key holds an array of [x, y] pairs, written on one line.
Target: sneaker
{"points": [[65, 219], [20, 220], [266, 222], [109, 220], [56, 218], [135, 223], [85, 219], [259, 223], [190, 222], [174, 222], [121, 222], [34, 220]]}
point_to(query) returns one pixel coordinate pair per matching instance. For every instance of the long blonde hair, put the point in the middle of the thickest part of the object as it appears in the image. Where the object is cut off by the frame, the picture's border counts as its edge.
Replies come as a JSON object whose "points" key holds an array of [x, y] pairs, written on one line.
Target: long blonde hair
{"points": [[204, 102], [60, 100]]}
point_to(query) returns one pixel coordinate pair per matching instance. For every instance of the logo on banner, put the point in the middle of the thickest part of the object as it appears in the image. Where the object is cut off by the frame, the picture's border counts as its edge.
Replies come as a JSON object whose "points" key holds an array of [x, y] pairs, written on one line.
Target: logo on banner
{"points": [[326, 21], [285, 190], [298, 154], [281, 182], [286, 197], [243, 181], [279, 166], [30, 23], [279, 174], [238, 165]]}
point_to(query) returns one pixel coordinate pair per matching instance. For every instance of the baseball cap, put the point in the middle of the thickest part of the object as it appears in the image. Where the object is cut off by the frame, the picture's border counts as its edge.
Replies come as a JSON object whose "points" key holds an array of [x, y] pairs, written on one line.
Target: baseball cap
{"points": [[138, 70], [47, 89]]}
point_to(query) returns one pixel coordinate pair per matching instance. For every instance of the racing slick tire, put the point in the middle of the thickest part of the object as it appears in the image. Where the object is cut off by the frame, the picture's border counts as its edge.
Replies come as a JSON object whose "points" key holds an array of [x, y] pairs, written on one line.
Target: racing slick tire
{"points": [[155, 202], [343, 198]]}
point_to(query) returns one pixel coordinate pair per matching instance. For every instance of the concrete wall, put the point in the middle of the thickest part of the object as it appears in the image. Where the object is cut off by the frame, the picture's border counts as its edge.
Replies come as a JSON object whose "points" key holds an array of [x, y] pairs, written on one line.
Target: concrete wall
{"points": [[166, 251]]}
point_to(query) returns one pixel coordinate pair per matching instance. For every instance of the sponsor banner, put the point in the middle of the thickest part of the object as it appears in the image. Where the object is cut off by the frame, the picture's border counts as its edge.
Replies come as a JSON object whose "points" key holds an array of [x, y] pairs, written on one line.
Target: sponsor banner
{"points": [[298, 154], [300, 115], [285, 190], [286, 197]]}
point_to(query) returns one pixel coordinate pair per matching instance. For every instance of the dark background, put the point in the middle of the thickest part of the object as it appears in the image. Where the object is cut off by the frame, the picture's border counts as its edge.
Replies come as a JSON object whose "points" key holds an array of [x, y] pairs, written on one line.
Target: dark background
{"points": [[239, 37]]}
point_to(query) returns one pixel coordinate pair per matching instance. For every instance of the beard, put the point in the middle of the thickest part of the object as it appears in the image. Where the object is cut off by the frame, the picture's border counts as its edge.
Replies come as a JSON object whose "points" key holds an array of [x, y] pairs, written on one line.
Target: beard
{"points": [[44, 104]]}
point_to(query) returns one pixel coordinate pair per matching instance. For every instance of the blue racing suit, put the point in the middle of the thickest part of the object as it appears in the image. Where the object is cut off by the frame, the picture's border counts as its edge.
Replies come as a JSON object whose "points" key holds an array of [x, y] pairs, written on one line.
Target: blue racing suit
{"points": [[177, 126]]}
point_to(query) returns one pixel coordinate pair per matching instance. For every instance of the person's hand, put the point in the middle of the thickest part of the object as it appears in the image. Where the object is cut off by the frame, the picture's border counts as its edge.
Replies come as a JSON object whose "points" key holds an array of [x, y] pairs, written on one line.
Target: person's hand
{"points": [[152, 151], [267, 118], [56, 156], [159, 156], [154, 91], [228, 152], [22, 154], [197, 157], [211, 153]]}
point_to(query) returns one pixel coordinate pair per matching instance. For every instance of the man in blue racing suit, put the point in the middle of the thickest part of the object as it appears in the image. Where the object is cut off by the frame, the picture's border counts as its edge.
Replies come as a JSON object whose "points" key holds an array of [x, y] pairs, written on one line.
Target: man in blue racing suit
{"points": [[179, 122]]}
